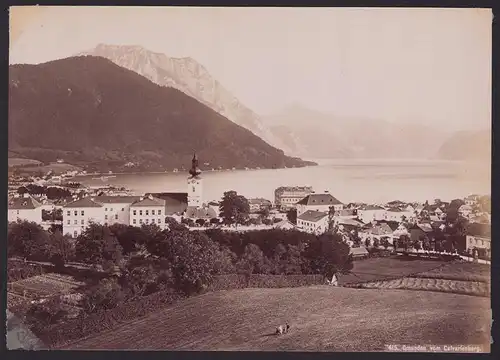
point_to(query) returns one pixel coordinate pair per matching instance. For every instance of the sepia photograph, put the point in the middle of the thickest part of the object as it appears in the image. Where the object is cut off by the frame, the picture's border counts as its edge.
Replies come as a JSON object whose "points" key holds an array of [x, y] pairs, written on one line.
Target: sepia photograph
{"points": [[249, 179]]}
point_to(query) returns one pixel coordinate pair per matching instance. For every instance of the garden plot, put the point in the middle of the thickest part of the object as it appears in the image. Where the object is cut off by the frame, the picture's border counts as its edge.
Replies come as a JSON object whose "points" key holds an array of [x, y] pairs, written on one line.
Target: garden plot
{"points": [[44, 285]]}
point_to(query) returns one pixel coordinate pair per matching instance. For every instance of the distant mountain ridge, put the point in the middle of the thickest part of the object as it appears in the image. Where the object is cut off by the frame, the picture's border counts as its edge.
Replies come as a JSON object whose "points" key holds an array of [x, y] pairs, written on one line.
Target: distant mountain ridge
{"points": [[467, 145], [91, 111], [188, 76], [313, 134], [298, 131]]}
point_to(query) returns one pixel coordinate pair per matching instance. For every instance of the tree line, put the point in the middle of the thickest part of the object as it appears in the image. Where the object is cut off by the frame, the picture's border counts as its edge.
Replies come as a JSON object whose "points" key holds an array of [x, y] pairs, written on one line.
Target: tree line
{"points": [[127, 262]]}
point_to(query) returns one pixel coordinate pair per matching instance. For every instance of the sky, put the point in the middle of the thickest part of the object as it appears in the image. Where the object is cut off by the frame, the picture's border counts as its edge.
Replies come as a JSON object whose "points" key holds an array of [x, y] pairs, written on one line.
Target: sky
{"points": [[426, 66]]}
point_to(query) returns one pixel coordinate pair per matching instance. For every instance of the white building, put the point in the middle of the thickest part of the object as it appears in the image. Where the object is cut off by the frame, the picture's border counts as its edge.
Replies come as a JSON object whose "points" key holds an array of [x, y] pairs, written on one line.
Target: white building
{"points": [[313, 221], [471, 200], [398, 215], [465, 210], [318, 202], [117, 208], [78, 214], [109, 210], [286, 197], [370, 213], [148, 210], [24, 208]]}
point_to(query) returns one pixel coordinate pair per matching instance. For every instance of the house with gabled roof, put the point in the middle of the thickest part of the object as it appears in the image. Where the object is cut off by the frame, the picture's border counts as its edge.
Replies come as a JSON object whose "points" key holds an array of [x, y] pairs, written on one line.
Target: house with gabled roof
{"points": [[313, 221], [24, 208], [421, 231], [318, 202], [78, 214], [284, 225], [478, 236], [371, 213], [176, 203]]}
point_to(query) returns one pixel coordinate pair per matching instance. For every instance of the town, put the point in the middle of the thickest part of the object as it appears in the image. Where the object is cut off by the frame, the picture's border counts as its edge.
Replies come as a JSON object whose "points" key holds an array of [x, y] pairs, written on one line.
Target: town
{"points": [[82, 260], [71, 207]]}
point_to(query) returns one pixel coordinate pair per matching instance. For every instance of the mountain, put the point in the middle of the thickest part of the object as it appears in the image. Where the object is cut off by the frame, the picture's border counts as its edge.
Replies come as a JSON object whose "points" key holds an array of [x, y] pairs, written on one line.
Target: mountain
{"points": [[188, 76], [467, 145], [92, 112], [313, 134]]}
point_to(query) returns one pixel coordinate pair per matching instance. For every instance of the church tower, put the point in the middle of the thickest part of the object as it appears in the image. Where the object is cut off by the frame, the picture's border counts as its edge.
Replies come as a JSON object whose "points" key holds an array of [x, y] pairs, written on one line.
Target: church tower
{"points": [[195, 184]]}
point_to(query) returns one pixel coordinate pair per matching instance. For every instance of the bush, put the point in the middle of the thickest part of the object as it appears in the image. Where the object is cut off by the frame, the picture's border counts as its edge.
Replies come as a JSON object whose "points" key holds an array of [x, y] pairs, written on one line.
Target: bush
{"points": [[86, 325], [378, 252], [19, 270]]}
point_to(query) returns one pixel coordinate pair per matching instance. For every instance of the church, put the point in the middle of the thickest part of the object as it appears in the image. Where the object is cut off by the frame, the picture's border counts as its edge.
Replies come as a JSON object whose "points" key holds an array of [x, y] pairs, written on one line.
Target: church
{"points": [[189, 204]]}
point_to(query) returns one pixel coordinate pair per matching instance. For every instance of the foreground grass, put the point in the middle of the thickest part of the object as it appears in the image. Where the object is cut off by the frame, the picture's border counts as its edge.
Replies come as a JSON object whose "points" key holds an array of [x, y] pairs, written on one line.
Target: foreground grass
{"points": [[322, 318]]}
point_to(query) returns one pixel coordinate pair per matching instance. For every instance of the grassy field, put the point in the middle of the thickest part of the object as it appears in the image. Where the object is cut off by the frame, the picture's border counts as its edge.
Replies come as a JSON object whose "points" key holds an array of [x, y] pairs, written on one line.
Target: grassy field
{"points": [[433, 284], [460, 271], [14, 162], [55, 167], [322, 318], [375, 269]]}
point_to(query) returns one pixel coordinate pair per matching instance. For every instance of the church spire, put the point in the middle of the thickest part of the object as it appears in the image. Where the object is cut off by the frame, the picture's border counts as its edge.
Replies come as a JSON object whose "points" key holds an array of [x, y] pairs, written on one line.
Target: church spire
{"points": [[194, 171]]}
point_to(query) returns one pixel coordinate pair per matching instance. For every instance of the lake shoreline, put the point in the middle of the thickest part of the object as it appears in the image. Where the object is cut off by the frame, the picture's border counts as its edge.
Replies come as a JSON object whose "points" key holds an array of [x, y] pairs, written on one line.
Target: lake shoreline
{"points": [[367, 181]]}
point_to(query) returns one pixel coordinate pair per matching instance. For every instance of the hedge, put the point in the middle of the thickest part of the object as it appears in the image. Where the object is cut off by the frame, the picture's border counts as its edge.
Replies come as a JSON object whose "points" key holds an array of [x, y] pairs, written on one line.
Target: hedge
{"points": [[234, 281], [280, 281], [228, 282], [89, 324]]}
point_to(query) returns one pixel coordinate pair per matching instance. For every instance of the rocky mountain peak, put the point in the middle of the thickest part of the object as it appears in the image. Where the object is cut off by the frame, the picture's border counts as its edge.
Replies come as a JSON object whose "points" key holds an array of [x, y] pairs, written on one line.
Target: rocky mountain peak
{"points": [[188, 76]]}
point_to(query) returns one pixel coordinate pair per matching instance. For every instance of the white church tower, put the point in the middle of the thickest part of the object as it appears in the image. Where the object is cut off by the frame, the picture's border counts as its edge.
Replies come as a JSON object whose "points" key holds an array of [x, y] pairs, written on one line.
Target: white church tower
{"points": [[195, 185]]}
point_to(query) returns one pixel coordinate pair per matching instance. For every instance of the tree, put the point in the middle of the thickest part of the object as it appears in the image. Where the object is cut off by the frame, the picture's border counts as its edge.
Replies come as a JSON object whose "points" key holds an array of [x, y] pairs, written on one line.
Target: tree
{"points": [[44, 313], [456, 204], [253, 261], [376, 243], [279, 258], [61, 249], [97, 244], [385, 243], [28, 240], [404, 242], [329, 255], [291, 215], [331, 221], [129, 237], [159, 243], [264, 213], [234, 208], [194, 258], [267, 222], [107, 294], [367, 242], [173, 224], [200, 222], [139, 280], [214, 221]]}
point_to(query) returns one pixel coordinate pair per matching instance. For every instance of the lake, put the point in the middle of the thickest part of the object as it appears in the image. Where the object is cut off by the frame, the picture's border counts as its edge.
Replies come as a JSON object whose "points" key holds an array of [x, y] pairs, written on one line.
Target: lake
{"points": [[372, 181]]}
